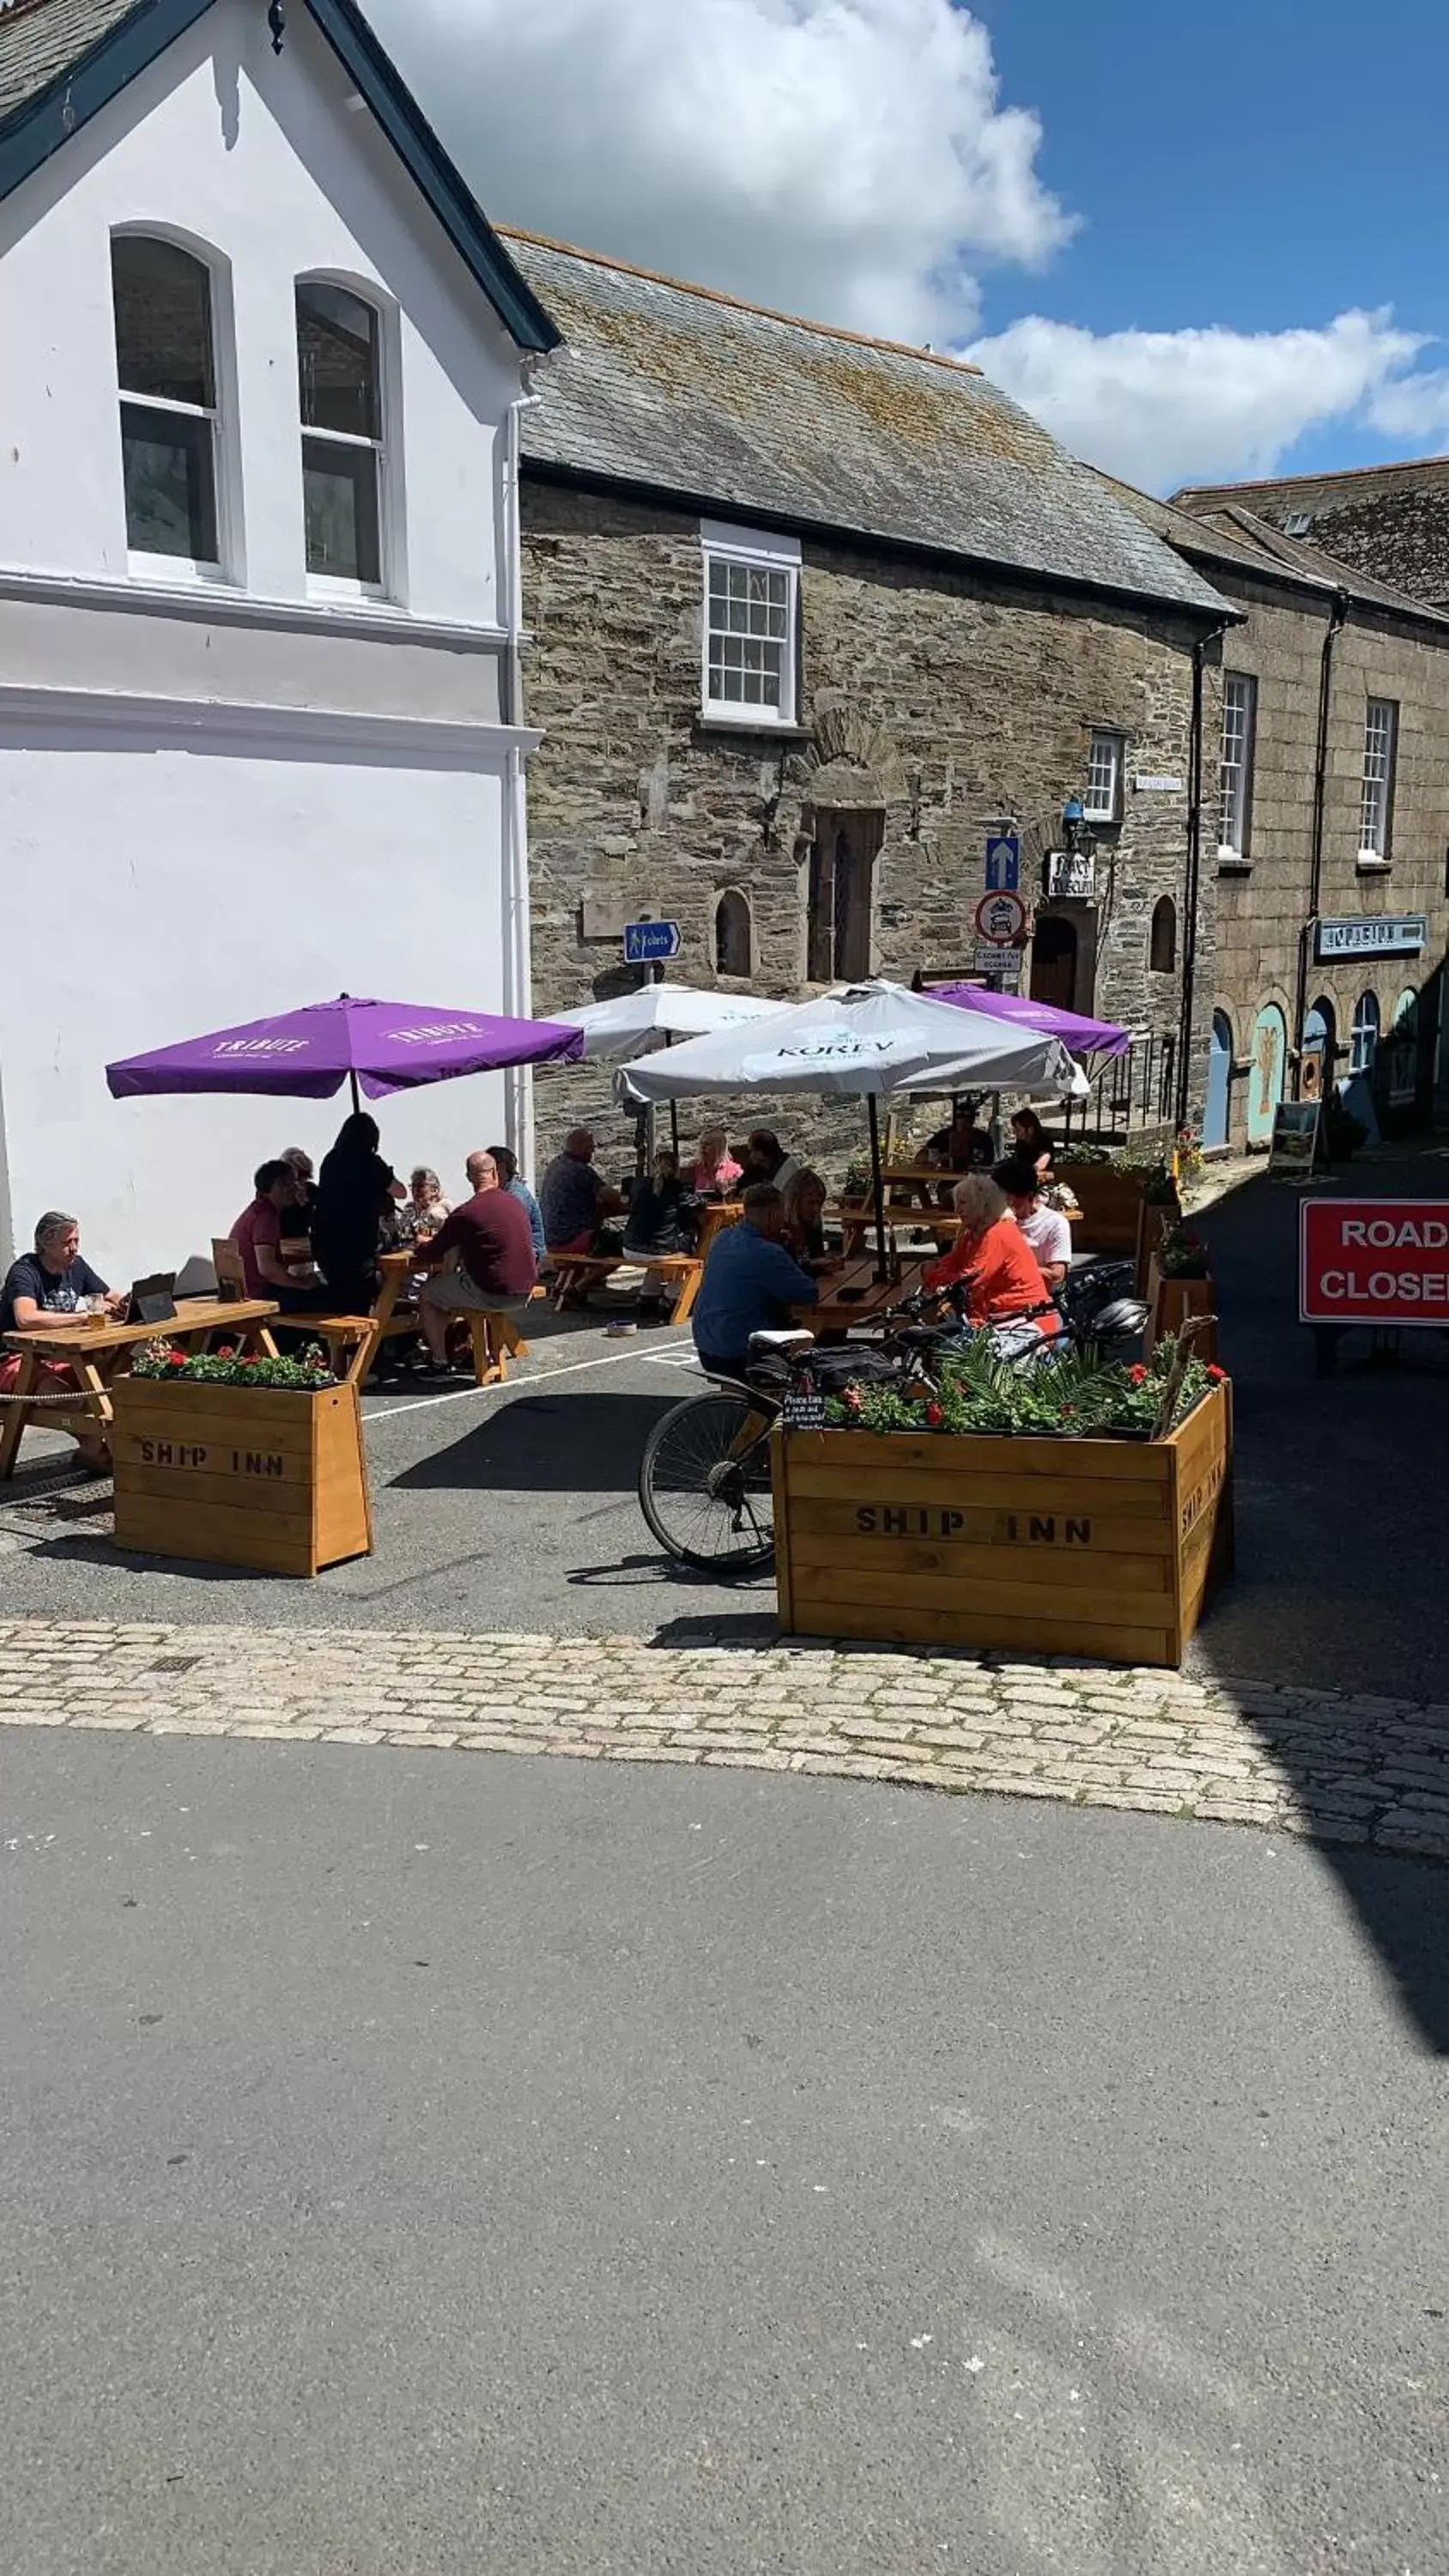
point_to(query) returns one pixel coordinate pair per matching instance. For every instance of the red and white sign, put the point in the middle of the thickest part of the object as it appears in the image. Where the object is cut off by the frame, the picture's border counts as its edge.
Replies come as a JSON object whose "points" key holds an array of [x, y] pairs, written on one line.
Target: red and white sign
{"points": [[1000, 919], [1374, 1261]]}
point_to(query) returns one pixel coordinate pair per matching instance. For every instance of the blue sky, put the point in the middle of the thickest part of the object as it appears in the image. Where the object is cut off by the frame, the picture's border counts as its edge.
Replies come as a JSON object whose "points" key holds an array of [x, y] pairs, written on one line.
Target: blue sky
{"points": [[1199, 244], [1259, 164]]}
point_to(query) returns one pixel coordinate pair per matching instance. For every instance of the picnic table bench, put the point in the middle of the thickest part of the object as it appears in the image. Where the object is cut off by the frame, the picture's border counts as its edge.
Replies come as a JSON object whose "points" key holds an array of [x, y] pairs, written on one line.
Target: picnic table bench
{"points": [[96, 1351]]}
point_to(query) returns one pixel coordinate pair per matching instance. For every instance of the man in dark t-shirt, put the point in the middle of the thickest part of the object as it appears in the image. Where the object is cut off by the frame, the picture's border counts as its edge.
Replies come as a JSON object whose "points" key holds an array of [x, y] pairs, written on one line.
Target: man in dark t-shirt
{"points": [[52, 1280], [495, 1266]]}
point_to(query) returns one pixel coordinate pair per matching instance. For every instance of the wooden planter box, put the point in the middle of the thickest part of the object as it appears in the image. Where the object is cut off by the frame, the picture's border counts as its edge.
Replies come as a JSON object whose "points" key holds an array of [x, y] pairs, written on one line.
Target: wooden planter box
{"points": [[1111, 1204], [1153, 1222], [1101, 1548], [229, 1476], [1169, 1304]]}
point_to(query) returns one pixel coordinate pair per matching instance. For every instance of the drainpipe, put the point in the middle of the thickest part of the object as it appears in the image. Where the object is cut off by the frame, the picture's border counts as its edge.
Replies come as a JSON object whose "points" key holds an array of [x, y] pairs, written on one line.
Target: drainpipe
{"points": [[1337, 620], [1193, 872], [517, 942]]}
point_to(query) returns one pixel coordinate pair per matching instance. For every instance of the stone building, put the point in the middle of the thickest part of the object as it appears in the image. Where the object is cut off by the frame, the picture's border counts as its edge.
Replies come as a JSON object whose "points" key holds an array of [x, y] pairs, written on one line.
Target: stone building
{"points": [[1390, 521], [809, 615], [1326, 843]]}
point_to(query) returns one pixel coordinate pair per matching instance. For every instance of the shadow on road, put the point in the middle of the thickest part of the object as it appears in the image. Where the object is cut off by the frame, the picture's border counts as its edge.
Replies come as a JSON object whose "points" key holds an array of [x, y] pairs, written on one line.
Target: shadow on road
{"points": [[1342, 1501], [547, 1444]]}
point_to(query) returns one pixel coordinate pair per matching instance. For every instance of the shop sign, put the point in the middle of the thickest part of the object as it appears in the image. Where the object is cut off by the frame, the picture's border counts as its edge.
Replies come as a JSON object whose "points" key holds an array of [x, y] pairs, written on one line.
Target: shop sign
{"points": [[1374, 934], [1374, 1261], [1071, 875]]}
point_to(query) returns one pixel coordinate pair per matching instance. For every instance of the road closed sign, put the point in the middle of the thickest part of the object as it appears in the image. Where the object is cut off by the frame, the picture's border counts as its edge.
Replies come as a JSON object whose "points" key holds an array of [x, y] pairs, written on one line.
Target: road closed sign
{"points": [[1374, 1261]]}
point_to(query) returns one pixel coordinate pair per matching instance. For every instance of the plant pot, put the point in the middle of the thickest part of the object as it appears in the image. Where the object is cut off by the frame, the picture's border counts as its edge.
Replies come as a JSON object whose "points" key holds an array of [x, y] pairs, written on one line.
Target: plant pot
{"points": [[1156, 1218], [229, 1475], [1095, 1547], [1170, 1304]]}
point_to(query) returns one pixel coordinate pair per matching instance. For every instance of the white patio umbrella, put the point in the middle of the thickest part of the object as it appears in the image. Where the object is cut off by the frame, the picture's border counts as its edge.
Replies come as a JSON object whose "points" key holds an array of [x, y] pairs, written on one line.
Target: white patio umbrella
{"points": [[627, 1026], [873, 1041]]}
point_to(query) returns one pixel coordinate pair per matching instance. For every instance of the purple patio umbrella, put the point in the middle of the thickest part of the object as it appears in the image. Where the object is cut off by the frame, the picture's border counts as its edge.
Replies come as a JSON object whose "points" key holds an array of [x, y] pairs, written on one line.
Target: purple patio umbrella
{"points": [[1078, 1035], [309, 1054]]}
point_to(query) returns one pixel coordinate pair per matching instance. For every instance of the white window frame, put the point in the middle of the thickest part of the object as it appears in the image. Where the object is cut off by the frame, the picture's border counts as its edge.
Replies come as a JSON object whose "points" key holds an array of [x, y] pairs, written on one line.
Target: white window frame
{"points": [[1107, 740], [326, 585], [758, 549], [189, 571], [1361, 1053], [1235, 772], [1376, 792]]}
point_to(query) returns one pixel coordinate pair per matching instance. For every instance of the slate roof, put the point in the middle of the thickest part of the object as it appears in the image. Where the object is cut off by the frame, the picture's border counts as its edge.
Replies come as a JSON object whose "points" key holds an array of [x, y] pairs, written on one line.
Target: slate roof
{"points": [[1314, 492], [63, 60], [40, 39], [680, 390], [1238, 540]]}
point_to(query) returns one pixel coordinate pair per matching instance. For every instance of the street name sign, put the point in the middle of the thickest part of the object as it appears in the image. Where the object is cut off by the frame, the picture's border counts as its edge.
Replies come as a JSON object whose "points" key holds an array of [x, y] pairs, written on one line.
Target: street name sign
{"points": [[1374, 1261], [1372, 934], [648, 943]]}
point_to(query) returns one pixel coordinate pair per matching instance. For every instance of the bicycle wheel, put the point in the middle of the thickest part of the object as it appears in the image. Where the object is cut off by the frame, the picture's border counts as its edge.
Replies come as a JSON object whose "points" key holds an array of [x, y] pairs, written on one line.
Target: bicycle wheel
{"points": [[704, 1483]]}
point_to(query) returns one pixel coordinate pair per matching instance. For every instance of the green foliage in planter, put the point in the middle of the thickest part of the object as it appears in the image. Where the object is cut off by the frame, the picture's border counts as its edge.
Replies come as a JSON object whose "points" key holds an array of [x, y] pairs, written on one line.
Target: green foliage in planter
{"points": [[1181, 1255], [228, 1367], [1081, 1157], [1067, 1398]]}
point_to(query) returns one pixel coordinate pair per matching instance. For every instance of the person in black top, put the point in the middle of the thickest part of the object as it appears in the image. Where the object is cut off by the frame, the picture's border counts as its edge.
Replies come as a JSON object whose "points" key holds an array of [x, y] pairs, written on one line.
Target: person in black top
{"points": [[53, 1280], [664, 1211], [356, 1191], [963, 1146]]}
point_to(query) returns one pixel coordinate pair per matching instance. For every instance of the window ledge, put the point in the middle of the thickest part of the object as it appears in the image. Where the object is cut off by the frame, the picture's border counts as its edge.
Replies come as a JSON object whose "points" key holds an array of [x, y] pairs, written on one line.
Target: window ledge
{"points": [[1234, 863], [774, 726], [1369, 864]]}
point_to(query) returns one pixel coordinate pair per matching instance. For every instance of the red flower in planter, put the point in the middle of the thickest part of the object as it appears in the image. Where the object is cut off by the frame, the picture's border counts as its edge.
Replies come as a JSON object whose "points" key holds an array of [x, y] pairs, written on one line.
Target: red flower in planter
{"points": [[852, 1399], [176, 1359], [1215, 1373], [227, 1351], [1137, 1373], [934, 1416]]}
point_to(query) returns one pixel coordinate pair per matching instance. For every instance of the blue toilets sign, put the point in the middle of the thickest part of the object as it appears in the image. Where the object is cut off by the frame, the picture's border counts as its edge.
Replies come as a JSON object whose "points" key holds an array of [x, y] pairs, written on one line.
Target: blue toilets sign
{"points": [[648, 943], [1003, 863]]}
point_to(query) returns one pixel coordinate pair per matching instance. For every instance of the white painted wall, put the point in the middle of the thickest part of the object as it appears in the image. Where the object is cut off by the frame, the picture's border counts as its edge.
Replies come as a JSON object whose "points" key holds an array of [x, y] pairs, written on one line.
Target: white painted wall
{"points": [[283, 874], [272, 165]]}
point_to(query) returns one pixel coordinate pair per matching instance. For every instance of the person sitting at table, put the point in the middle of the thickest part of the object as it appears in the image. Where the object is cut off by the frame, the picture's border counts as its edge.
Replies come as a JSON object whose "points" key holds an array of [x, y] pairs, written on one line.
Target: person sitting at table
{"points": [[963, 1146], [50, 1281], [1030, 1138], [482, 1259], [356, 1193], [1045, 1229], [304, 1174], [805, 1198], [575, 1199], [425, 1208], [715, 1169], [994, 1263], [751, 1281], [259, 1234], [766, 1160], [507, 1162], [664, 1211]]}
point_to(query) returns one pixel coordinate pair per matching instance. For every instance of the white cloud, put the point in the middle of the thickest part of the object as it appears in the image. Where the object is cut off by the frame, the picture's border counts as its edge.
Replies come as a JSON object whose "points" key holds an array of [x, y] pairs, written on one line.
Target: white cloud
{"points": [[847, 159], [1196, 406]]}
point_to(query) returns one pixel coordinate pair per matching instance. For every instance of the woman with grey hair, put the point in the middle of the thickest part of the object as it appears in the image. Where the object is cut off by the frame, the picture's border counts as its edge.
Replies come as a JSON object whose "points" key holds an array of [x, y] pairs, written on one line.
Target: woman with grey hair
{"points": [[425, 1210], [995, 1265]]}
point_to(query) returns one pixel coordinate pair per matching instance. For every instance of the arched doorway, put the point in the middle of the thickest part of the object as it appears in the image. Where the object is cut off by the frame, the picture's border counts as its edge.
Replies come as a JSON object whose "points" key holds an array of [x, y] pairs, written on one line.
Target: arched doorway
{"points": [[1319, 1040], [1265, 1083], [1219, 1078], [733, 944], [1162, 951], [1054, 961]]}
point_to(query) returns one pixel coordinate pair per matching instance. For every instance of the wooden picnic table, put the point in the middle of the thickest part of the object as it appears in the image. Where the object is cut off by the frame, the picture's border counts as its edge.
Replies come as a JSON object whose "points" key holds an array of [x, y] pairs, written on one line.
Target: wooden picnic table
{"points": [[854, 1295], [96, 1351]]}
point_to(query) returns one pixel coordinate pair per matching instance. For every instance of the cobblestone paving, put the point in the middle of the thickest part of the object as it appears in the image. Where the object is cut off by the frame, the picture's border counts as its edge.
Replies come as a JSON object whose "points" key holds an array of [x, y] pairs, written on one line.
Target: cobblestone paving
{"points": [[1343, 1768]]}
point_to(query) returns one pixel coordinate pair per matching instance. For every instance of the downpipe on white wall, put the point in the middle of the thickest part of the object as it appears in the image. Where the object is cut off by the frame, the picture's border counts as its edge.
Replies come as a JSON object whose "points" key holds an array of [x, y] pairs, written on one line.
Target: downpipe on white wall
{"points": [[518, 945]]}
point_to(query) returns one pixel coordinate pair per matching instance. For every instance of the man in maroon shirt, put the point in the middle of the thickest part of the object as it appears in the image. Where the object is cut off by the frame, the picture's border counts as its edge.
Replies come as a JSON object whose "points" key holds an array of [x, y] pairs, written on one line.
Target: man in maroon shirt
{"points": [[495, 1269]]}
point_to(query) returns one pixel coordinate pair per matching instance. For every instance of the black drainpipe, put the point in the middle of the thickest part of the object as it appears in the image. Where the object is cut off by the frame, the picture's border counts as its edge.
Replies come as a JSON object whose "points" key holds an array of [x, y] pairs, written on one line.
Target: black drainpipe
{"points": [[1337, 620], [1194, 873]]}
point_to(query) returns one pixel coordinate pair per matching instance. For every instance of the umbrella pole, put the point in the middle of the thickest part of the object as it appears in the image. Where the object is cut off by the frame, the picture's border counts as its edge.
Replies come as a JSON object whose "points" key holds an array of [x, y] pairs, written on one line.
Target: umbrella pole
{"points": [[674, 1124], [356, 1096], [882, 1270]]}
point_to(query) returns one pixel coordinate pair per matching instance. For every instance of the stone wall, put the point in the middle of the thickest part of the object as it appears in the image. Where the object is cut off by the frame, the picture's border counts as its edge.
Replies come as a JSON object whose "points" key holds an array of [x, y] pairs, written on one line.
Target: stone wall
{"points": [[1261, 908], [941, 701]]}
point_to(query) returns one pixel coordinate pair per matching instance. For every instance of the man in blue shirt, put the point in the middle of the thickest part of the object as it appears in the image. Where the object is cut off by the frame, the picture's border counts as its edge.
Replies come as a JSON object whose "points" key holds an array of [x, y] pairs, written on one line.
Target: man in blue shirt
{"points": [[507, 1162], [750, 1284]]}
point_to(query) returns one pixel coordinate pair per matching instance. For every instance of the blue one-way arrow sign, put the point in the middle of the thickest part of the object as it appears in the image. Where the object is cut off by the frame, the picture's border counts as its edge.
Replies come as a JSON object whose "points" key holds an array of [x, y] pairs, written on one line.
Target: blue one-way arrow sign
{"points": [[646, 942], [1003, 863]]}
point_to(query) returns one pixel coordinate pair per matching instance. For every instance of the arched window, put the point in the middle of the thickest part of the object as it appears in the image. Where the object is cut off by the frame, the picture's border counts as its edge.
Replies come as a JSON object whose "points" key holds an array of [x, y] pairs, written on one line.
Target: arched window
{"points": [[1163, 954], [1364, 1040], [339, 371], [166, 373], [733, 939]]}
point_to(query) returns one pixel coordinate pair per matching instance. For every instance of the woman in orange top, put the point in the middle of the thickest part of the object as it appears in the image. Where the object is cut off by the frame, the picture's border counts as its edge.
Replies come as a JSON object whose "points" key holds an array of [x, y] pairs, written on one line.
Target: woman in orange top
{"points": [[992, 1258]]}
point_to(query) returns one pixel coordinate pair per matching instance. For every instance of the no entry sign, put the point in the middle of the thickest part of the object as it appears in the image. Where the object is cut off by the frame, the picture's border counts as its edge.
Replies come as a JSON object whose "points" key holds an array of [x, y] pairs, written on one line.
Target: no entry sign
{"points": [[1374, 1261]]}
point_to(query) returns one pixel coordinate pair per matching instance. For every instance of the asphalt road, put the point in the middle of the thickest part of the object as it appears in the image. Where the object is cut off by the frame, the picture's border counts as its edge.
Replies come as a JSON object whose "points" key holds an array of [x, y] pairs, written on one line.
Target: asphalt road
{"points": [[432, 2167], [518, 1510]]}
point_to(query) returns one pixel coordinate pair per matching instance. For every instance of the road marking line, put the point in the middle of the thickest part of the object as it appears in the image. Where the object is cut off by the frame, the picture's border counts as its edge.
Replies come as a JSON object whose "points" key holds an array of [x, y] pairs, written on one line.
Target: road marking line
{"points": [[545, 1377]]}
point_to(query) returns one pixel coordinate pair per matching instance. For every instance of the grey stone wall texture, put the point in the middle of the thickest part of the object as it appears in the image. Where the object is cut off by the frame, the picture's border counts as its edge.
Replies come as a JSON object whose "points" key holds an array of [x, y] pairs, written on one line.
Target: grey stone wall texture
{"points": [[941, 699], [1260, 910]]}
